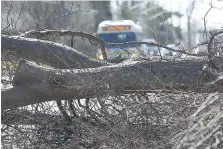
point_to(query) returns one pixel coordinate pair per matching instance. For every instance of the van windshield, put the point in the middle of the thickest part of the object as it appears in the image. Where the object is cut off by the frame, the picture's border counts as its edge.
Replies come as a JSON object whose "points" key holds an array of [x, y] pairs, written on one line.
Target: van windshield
{"points": [[119, 38]]}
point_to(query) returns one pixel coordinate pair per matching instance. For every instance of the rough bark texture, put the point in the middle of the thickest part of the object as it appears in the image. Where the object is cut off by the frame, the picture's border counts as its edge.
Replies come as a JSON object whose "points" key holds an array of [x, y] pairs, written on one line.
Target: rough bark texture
{"points": [[46, 52], [33, 83]]}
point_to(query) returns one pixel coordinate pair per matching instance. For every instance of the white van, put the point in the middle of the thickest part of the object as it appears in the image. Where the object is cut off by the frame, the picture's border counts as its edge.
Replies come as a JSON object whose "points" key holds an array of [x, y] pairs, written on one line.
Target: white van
{"points": [[119, 32]]}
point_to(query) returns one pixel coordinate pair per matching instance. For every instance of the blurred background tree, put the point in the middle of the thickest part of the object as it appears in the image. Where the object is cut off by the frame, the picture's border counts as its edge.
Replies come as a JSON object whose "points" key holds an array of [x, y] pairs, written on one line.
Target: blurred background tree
{"points": [[103, 11], [71, 15], [39, 15], [155, 20]]}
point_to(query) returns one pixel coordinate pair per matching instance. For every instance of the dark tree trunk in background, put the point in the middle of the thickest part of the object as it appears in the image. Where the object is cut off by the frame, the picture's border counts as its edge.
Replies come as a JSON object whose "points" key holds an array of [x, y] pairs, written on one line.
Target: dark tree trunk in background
{"points": [[104, 12], [189, 31]]}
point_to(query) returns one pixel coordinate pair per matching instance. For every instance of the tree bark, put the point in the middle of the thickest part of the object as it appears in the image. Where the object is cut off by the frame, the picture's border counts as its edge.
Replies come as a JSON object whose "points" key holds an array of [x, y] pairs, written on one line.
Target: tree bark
{"points": [[49, 53], [33, 83]]}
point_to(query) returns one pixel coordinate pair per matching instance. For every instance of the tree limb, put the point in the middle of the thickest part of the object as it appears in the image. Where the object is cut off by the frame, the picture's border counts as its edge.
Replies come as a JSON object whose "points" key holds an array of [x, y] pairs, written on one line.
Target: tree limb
{"points": [[158, 45], [49, 53], [42, 34], [210, 53], [33, 83]]}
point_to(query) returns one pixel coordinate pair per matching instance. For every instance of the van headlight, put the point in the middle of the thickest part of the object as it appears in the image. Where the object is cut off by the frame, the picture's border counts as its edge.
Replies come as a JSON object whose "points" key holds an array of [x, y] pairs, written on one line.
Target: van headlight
{"points": [[99, 55], [133, 55]]}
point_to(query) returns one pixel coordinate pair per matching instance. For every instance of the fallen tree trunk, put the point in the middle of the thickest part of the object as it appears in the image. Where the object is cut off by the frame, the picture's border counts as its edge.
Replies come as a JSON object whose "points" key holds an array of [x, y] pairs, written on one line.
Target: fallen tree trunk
{"points": [[46, 52], [79, 76], [33, 83]]}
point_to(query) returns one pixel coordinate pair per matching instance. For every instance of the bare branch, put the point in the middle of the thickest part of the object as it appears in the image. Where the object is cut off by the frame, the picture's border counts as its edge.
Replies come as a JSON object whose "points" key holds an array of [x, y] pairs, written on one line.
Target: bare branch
{"points": [[159, 45], [49, 53], [42, 34], [210, 53]]}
